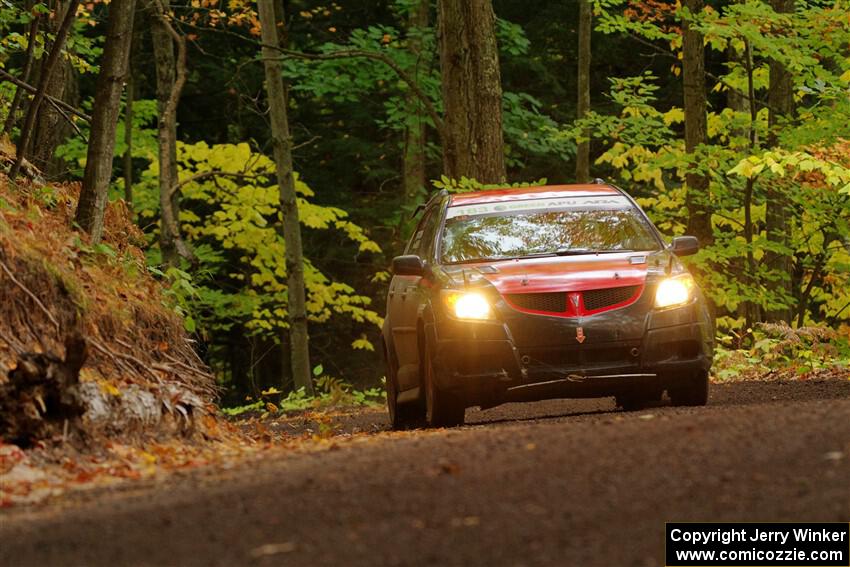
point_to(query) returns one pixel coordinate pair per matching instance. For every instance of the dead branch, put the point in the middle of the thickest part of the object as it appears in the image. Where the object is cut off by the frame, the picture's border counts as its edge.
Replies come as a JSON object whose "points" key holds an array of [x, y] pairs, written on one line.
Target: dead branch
{"points": [[186, 366], [67, 118], [29, 293], [129, 357], [54, 101]]}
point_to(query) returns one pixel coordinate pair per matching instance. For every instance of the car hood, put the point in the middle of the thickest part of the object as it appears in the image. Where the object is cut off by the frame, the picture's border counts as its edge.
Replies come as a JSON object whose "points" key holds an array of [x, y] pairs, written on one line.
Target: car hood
{"points": [[563, 273]]}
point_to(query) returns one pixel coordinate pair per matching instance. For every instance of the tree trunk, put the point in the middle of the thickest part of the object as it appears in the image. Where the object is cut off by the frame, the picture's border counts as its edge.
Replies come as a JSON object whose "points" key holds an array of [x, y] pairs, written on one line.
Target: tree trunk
{"points": [[693, 80], [47, 70], [780, 99], [128, 142], [473, 145], [585, 28], [415, 135], [751, 309], [107, 102], [170, 78], [282, 141], [51, 127], [129, 97], [32, 35]]}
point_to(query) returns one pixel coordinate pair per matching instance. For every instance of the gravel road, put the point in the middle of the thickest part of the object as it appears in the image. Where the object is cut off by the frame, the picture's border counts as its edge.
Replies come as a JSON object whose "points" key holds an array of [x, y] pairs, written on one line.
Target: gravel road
{"points": [[552, 483]]}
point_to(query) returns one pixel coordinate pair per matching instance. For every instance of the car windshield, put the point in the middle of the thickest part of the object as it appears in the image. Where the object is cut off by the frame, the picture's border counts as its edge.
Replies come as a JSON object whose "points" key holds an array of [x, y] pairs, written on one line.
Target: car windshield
{"points": [[543, 227]]}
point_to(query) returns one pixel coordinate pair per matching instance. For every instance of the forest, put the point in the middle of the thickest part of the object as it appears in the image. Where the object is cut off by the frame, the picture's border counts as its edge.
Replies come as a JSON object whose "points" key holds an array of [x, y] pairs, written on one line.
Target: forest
{"points": [[272, 155]]}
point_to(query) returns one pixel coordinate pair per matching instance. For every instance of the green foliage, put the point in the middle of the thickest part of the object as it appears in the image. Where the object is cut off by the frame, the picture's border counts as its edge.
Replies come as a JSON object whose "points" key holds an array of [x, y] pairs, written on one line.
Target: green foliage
{"points": [[231, 219], [776, 351], [330, 393], [807, 170], [74, 149], [511, 38], [528, 130], [467, 185], [13, 24], [181, 293], [82, 49]]}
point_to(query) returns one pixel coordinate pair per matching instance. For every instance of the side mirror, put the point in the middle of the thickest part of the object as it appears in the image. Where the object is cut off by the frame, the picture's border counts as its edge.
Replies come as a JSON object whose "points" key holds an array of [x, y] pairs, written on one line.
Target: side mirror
{"points": [[410, 265], [685, 245]]}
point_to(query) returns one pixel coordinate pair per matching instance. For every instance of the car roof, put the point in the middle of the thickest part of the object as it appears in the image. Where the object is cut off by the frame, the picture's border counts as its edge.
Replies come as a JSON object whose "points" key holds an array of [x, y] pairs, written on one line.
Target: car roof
{"points": [[539, 192]]}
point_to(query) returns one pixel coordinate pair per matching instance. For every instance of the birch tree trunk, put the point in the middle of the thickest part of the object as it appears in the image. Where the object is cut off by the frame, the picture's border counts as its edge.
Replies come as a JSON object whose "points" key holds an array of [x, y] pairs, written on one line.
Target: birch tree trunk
{"points": [[473, 144], [107, 100], [693, 79], [585, 19], [282, 140]]}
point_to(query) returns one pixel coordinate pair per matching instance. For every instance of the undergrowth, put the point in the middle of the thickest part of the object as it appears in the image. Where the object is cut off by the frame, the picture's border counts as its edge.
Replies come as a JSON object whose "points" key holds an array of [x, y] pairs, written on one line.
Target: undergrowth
{"points": [[777, 351], [330, 392]]}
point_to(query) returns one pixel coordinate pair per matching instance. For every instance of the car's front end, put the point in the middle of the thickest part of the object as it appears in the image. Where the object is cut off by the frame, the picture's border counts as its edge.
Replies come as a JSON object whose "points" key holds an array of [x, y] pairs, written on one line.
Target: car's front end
{"points": [[597, 337]]}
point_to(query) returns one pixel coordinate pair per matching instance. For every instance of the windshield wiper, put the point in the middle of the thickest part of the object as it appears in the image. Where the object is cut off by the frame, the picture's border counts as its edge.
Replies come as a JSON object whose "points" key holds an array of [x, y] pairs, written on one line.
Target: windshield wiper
{"points": [[577, 252], [573, 252], [563, 252]]}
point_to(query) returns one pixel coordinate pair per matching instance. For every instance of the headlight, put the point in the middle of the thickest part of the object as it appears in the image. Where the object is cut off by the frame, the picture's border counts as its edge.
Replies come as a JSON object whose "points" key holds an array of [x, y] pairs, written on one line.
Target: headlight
{"points": [[468, 305], [674, 291]]}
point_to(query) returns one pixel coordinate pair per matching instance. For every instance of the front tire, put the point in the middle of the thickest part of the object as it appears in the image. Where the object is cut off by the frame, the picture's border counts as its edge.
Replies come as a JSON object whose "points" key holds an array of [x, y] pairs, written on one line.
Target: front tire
{"points": [[402, 416], [692, 391], [442, 408]]}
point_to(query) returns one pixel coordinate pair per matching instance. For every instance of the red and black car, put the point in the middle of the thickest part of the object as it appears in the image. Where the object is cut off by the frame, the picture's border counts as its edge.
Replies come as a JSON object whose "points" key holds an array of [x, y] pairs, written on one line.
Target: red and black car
{"points": [[543, 292]]}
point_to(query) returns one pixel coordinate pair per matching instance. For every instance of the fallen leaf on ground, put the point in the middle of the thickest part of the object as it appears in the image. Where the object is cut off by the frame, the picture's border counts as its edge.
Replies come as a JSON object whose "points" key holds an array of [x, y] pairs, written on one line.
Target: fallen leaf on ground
{"points": [[273, 549]]}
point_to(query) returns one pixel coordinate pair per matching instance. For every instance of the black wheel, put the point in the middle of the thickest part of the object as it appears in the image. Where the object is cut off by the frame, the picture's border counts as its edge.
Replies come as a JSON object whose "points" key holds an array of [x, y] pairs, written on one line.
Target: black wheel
{"points": [[402, 416], [691, 390], [442, 409]]}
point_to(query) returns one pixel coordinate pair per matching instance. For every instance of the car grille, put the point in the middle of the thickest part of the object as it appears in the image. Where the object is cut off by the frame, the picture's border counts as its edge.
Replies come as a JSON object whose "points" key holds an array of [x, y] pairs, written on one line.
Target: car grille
{"points": [[551, 302], [601, 298], [594, 299]]}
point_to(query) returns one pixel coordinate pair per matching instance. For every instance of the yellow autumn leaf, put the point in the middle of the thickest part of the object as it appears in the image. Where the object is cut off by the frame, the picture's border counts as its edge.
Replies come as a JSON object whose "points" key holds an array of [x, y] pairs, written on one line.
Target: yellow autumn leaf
{"points": [[108, 388], [363, 344], [674, 116]]}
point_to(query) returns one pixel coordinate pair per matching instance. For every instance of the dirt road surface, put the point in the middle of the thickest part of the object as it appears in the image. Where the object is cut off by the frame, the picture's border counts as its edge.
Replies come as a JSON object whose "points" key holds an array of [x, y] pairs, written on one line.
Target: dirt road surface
{"points": [[552, 483]]}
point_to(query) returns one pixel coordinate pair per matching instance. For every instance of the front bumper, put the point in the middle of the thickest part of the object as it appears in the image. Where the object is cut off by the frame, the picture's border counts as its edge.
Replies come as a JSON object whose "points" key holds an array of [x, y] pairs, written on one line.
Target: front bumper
{"points": [[488, 364]]}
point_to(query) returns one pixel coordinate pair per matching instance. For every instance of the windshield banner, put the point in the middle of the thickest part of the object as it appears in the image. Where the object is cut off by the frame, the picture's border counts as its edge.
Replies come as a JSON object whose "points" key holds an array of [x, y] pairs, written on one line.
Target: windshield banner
{"points": [[540, 205]]}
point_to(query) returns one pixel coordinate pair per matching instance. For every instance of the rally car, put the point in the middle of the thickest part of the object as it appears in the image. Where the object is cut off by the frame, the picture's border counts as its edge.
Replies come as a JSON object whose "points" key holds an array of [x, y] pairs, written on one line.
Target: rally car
{"points": [[541, 292]]}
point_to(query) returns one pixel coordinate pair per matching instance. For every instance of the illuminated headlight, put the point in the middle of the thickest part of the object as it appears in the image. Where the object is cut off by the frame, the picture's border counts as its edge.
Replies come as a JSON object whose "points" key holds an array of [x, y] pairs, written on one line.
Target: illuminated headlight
{"points": [[468, 305], [674, 291]]}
